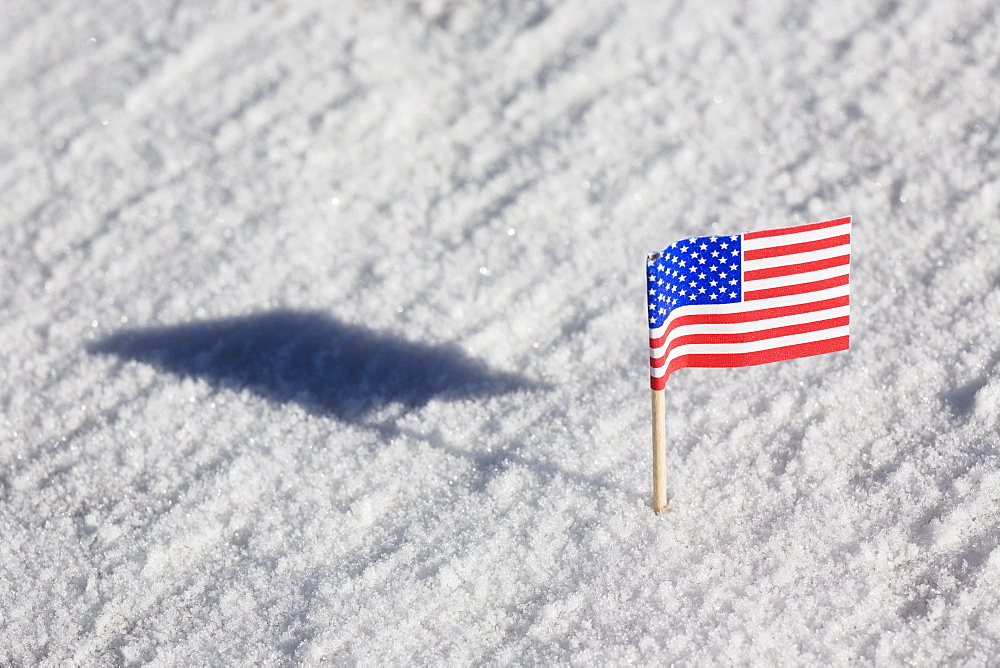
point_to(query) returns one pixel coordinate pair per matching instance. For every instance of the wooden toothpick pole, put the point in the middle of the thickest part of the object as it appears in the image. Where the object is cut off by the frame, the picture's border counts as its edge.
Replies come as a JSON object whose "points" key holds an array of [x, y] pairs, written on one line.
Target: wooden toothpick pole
{"points": [[659, 451]]}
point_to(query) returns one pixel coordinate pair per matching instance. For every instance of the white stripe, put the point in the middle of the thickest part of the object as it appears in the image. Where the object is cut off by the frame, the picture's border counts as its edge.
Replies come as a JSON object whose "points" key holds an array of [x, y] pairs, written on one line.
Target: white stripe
{"points": [[746, 327], [794, 279], [796, 258], [755, 346], [796, 237], [742, 307]]}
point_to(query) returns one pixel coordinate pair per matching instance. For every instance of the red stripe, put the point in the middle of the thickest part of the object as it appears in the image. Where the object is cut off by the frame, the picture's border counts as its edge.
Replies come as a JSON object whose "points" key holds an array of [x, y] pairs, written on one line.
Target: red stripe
{"points": [[748, 337], [797, 289], [757, 335], [792, 249], [749, 316], [720, 360], [797, 228], [801, 268]]}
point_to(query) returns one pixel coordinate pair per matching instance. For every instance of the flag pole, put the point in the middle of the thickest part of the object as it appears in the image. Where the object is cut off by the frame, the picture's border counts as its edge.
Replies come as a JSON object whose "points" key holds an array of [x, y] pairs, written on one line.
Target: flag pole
{"points": [[659, 451]]}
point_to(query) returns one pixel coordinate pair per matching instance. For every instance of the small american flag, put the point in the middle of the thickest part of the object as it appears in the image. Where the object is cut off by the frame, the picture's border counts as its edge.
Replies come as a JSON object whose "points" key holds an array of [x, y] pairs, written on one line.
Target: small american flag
{"points": [[745, 299]]}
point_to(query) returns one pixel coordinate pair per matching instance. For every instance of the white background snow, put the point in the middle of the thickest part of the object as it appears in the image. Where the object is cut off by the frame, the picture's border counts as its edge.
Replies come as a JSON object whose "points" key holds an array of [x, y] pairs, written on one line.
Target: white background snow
{"points": [[322, 333]]}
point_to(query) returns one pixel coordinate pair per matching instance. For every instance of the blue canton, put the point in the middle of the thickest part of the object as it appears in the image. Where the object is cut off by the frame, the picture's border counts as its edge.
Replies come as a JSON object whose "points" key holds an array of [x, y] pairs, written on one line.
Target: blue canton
{"points": [[703, 270]]}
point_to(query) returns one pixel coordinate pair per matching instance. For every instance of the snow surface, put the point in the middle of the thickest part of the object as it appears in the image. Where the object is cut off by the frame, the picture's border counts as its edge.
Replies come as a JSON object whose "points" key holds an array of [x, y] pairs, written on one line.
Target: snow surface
{"points": [[322, 337]]}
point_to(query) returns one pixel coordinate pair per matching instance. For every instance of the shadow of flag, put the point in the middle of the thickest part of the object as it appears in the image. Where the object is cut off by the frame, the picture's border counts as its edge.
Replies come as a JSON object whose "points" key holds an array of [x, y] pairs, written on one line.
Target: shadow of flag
{"points": [[326, 366]]}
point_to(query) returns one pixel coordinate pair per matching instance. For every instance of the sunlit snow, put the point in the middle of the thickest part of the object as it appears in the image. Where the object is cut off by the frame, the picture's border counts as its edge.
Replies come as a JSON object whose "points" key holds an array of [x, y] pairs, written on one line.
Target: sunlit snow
{"points": [[322, 333]]}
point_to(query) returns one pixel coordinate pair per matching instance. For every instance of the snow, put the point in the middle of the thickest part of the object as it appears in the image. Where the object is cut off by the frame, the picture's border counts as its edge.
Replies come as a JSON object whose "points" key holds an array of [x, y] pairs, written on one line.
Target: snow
{"points": [[321, 333]]}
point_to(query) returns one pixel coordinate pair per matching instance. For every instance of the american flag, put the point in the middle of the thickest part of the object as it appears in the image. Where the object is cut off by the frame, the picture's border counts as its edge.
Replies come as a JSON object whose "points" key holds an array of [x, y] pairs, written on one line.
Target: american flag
{"points": [[745, 299]]}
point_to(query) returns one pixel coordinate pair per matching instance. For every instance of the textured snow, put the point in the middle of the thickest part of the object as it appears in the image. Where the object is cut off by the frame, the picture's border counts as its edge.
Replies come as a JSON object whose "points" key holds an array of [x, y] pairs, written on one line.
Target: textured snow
{"points": [[322, 333]]}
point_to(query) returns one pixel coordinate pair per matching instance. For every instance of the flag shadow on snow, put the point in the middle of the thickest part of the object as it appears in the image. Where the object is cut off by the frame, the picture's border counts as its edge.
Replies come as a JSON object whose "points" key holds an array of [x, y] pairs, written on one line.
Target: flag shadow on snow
{"points": [[327, 366]]}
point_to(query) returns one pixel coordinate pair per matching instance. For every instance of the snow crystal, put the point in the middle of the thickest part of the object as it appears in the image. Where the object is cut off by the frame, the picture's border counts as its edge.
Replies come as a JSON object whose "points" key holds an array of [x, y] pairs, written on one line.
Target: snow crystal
{"points": [[322, 337]]}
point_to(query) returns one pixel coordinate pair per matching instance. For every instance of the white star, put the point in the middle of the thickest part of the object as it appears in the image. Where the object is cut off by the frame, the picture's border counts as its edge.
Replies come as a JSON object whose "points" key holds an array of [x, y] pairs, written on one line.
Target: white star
{"points": [[722, 274], [713, 283], [701, 290], [733, 237], [724, 245], [703, 246], [713, 268], [682, 263], [683, 292], [733, 267], [701, 261], [713, 296], [652, 307], [652, 320], [652, 291], [660, 297], [733, 281], [701, 275], [714, 239], [715, 253], [684, 249], [733, 295], [694, 255], [736, 252], [659, 281], [693, 284]]}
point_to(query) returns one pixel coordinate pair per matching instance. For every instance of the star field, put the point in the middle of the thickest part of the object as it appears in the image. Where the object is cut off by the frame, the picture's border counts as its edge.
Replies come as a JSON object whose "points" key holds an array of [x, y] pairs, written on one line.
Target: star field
{"points": [[702, 270]]}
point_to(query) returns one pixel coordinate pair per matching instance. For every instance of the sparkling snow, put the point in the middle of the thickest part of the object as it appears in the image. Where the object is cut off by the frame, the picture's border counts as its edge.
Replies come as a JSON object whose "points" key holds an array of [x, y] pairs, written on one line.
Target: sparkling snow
{"points": [[322, 333]]}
